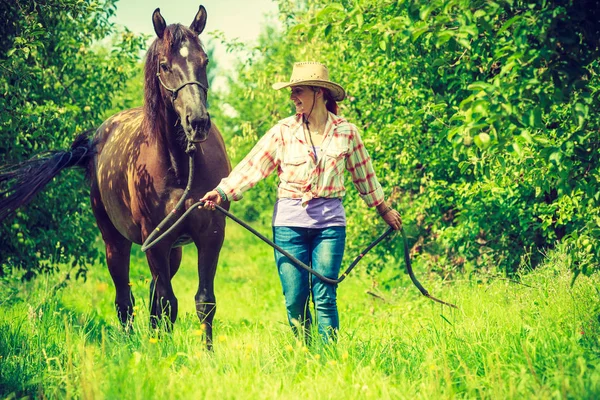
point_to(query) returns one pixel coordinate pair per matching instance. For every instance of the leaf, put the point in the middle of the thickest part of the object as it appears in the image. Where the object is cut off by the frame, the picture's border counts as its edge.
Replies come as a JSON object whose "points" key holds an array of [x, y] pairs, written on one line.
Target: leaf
{"points": [[526, 136], [508, 67], [555, 157], [311, 31], [438, 62], [463, 166], [518, 149], [296, 29], [452, 133], [501, 161], [471, 30], [398, 23], [464, 42], [424, 14], [457, 140], [466, 103], [359, 19], [417, 32], [478, 14], [328, 10], [581, 114], [443, 38], [480, 85], [480, 107], [535, 118], [541, 139], [439, 107], [508, 24]]}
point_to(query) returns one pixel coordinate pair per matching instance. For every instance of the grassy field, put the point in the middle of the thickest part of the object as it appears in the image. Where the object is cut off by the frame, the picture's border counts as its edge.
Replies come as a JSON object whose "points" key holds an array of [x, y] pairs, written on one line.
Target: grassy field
{"points": [[539, 339]]}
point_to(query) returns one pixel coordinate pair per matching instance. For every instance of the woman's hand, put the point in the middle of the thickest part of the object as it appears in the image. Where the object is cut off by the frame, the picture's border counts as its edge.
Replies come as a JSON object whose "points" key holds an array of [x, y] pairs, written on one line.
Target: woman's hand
{"points": [[210, 199], [393, 219], [389, 215]]}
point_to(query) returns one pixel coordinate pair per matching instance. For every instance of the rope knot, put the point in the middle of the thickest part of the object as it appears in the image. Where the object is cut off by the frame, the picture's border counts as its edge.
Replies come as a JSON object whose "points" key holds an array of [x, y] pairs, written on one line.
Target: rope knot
{"points": [[190, 149]]}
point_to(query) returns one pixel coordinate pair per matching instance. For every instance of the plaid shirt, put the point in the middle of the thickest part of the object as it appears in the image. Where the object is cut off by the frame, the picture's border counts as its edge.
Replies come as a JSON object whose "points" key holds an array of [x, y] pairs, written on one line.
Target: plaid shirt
{"points": [[284, 147]]}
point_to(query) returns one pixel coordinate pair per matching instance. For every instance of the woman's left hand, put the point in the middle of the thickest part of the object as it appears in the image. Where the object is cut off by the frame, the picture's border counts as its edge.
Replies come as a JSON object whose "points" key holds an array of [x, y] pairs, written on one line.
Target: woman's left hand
{"points": [[210, 199], [393, 219]]}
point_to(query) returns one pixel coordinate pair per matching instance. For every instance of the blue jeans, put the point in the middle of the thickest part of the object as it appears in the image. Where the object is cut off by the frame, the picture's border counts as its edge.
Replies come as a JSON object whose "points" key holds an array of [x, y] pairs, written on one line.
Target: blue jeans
{"points": [[322, 250]]}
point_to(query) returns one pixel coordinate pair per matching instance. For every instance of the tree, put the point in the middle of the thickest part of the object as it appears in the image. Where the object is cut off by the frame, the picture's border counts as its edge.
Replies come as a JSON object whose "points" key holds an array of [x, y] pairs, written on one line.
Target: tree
{"points": [[57, 80], [482, 119]]}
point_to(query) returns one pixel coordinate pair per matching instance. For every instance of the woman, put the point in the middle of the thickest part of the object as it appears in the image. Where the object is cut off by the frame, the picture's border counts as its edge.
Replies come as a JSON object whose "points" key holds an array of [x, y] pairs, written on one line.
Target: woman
{"points": [[310, 150]]}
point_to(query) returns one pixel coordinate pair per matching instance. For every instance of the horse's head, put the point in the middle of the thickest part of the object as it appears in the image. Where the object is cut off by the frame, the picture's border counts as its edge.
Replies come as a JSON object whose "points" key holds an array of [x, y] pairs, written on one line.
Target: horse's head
{"points": [[180, 65]]}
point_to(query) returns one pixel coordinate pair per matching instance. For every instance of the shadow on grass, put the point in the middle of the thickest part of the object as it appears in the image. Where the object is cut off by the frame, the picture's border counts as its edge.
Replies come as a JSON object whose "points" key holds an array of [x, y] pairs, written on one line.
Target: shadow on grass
{"points": [[23, 360], [38, 347]]}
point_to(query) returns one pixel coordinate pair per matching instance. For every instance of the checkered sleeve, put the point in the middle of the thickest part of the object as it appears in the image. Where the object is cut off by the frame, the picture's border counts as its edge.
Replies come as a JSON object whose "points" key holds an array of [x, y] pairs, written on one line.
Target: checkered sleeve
{"points": [[358, 163], [257, 165]]}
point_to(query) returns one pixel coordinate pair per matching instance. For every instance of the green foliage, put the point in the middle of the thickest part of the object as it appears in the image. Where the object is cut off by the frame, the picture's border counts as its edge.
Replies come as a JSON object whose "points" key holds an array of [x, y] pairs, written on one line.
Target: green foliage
{"points": [[482, 119], [59, 76]]}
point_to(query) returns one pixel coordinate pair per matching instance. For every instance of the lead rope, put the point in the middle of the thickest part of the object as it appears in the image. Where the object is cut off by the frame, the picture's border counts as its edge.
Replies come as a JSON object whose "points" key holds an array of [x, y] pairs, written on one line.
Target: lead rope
{"points": [[151, 241]]}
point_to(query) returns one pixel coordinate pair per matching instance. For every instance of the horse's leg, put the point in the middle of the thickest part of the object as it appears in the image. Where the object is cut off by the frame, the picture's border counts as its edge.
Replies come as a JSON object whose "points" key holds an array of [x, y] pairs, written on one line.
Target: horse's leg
{"points": [[118, 251], [206, 303], [117, 258], [162, 298], [175, 260]]}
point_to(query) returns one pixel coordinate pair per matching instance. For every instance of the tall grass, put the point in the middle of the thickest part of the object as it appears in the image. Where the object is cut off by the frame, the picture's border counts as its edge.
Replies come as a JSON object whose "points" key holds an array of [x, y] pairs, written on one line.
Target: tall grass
{"points": [[535, 339]]}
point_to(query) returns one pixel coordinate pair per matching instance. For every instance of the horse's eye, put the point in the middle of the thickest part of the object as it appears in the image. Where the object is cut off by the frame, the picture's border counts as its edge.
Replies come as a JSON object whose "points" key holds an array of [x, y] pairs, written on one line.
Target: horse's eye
{"points": [[164, 67]]}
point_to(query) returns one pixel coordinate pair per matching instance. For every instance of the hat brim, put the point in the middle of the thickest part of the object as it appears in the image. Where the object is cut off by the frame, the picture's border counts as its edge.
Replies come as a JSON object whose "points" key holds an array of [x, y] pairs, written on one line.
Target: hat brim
{"points": [[337, 92]]}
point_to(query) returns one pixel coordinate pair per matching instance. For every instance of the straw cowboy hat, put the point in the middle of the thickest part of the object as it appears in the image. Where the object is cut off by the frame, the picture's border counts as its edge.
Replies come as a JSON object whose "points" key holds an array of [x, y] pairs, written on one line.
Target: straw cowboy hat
{"points": [[312, 73]]}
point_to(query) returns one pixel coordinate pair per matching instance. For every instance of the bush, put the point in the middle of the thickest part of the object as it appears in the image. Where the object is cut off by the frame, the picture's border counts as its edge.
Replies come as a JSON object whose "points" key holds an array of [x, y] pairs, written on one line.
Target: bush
{"points": [[59, 76], [482, 119]]}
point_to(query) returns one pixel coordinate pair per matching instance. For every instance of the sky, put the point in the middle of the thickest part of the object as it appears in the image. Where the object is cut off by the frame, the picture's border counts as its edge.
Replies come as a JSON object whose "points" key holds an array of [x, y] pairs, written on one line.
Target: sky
{"points": [[237, 19]]}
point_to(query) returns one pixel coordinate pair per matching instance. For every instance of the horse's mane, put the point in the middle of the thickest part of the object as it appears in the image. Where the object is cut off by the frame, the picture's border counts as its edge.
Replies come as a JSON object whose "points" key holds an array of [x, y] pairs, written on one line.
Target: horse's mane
{"points": [[153, 103]]}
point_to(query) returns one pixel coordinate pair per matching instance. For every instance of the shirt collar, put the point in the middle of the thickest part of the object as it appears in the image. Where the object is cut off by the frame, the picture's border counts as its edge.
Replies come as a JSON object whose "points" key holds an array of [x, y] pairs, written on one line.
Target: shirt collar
{"points": [[295, 125]]}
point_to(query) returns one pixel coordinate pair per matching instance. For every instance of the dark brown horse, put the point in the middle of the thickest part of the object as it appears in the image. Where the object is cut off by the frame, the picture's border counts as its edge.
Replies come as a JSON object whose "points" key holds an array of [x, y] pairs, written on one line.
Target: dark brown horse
{"points": [[138, 162]]}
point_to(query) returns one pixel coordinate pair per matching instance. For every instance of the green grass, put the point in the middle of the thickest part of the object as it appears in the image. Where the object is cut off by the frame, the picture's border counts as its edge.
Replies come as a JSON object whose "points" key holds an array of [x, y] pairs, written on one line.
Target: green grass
{"points": [[507, 340]]}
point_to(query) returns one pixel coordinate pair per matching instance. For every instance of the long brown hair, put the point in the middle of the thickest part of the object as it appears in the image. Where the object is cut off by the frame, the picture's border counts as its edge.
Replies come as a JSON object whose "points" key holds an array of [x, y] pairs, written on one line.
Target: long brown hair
{"points": [[330, 103]]}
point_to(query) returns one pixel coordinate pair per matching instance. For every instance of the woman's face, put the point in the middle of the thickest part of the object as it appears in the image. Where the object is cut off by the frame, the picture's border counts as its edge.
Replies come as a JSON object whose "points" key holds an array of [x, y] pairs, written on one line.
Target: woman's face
{"points": [[303, 97]]}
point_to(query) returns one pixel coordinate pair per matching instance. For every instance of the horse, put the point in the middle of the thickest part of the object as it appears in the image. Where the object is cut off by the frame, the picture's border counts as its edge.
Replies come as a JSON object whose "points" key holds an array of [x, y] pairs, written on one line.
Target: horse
{"points": [[138, 162]]}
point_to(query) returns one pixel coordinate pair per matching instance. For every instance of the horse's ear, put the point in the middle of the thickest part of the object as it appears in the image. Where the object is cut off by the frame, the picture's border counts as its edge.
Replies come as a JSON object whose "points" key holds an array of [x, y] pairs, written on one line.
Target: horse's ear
{"points": [[159, 23], [199, 21]]}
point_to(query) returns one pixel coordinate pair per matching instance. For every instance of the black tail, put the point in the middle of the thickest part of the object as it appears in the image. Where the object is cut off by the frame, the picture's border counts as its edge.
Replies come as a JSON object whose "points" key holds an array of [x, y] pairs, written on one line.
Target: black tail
{"points": [[29, 177]]}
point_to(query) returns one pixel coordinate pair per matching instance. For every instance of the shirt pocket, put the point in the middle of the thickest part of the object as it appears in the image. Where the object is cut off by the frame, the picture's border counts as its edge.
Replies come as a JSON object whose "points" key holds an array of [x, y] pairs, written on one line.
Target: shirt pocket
{"points": [[294, 169], [335, 159]]}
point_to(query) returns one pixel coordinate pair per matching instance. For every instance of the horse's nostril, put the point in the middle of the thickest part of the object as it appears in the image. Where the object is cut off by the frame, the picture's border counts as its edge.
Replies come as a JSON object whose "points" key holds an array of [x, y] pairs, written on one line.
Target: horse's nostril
{"points": [[195, 119], [197, 124]]}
